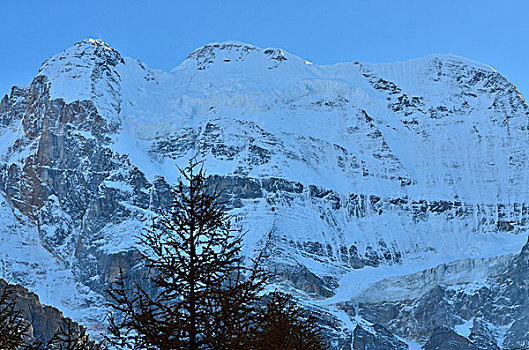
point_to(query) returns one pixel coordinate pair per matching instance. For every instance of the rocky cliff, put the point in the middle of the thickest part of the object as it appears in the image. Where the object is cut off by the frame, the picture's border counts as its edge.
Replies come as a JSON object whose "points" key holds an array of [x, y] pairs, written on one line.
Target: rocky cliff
{"points": [[45, 321], [394, 196]]}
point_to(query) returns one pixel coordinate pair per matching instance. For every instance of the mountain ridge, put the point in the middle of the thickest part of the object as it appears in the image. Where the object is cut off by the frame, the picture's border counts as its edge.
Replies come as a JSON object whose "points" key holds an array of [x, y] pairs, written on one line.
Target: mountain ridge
{"points": [[364, 176]]}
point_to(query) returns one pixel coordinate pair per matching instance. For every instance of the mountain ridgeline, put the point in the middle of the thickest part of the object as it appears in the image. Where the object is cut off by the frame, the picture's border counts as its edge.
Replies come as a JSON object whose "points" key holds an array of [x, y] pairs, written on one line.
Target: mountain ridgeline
{"points": [[393, 197]]}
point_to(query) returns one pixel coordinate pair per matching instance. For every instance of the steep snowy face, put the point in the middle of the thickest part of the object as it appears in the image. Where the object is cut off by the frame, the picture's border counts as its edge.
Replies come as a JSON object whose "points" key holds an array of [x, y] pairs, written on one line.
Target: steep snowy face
{"points": [[460, 117], [443, 116], [357, 176]]}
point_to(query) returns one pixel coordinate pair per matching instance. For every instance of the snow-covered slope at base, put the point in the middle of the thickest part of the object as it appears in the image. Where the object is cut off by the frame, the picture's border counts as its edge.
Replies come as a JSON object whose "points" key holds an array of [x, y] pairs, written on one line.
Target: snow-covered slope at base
{"points": [[412, 280]]}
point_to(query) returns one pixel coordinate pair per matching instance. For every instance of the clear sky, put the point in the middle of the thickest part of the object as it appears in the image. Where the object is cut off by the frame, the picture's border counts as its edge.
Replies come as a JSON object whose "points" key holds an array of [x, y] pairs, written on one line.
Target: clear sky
{"points": [[163, 33]]}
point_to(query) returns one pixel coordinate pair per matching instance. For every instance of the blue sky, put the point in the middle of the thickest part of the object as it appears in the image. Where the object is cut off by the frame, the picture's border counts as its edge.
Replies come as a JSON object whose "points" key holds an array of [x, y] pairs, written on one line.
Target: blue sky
{"points": [[163, 33]]}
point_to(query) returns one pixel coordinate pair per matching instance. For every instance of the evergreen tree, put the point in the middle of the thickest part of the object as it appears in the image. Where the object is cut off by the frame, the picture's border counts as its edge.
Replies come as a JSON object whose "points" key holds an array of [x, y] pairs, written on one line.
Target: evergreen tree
{"points": [[201, 295]]}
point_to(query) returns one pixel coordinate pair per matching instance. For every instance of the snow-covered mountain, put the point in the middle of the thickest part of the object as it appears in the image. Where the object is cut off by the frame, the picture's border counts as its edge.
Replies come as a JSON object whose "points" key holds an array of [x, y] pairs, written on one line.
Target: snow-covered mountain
{"points": [[395, 196]]}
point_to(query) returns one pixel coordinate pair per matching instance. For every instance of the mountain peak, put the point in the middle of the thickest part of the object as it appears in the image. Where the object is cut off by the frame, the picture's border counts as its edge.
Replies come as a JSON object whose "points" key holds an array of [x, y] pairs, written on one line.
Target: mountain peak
{"points": [[448, 57], [89, 51], [397, 185], [235, 51], [95, 43], [84, 71], [224, 45]]}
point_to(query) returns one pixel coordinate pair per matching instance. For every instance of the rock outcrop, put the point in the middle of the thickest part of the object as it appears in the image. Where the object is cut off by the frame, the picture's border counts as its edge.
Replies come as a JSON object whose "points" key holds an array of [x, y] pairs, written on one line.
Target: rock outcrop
{"points": [[44, 320]]}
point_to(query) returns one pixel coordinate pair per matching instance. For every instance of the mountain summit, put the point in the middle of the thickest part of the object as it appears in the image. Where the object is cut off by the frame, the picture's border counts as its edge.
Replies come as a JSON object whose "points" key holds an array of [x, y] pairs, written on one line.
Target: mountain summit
{"points": [[392, 197], [237, 52]]}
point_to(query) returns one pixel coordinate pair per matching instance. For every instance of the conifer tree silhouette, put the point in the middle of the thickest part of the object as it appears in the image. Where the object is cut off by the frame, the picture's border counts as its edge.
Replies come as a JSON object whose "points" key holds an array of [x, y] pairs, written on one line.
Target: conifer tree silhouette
{"points": [[201, 293]]}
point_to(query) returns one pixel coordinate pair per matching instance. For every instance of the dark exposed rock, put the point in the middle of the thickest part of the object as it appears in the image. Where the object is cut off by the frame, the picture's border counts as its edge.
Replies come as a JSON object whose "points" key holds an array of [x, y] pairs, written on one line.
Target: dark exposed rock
{"points": [[45, 320], [444, 338], [483, 336], [375, 339], [303, 279], [277, 184], [236, 187]]}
